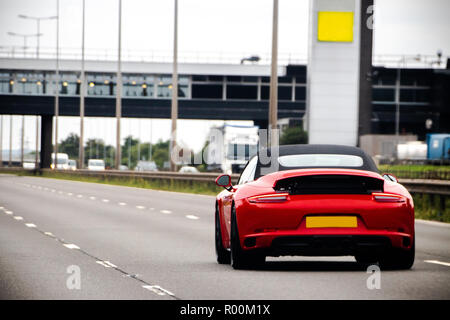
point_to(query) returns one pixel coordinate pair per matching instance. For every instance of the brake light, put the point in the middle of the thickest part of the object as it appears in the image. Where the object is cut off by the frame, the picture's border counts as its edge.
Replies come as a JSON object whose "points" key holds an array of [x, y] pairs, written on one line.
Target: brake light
{"points": [[387, 197], [269, 198]]}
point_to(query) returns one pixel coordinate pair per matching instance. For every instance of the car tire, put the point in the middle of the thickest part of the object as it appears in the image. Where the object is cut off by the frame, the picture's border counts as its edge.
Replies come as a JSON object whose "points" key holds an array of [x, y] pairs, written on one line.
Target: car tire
{"points": [[239, 258], [223, 255], [399, 259]]}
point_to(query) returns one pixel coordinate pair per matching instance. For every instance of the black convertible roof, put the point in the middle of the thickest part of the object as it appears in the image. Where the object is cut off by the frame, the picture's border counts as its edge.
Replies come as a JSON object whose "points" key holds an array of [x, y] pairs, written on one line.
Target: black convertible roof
{"points": [[368, 163]]}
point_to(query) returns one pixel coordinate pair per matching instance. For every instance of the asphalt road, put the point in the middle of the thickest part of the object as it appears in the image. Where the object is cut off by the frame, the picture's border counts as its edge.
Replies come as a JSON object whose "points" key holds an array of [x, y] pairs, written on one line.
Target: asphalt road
{"points": [[130, 243]]}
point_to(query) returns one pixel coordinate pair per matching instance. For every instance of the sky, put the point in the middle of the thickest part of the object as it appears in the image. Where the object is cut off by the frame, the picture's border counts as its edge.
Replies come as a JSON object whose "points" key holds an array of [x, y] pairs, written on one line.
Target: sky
{"points": [[216, 27]]}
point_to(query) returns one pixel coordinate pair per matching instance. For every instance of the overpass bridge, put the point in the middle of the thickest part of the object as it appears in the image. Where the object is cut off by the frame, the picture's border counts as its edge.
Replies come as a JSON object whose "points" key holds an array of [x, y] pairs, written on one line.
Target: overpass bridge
{"points": [[213, 91]]}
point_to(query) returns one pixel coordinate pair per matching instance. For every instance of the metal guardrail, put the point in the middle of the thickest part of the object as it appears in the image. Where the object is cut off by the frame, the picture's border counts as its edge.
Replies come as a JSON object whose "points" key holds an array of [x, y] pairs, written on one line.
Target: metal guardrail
{"points": [[205, 177], [437, 187]]}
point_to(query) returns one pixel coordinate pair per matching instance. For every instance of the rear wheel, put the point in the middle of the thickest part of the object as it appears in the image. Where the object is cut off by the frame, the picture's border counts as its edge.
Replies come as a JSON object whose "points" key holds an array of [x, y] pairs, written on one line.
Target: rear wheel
{"points": [[395, 258], [222, 254], [241, 259], [399, 258]]}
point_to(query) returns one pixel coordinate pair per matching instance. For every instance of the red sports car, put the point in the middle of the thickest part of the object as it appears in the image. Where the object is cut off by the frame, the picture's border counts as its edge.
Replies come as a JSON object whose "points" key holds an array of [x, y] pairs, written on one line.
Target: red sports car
{"points": [[317, 200]]}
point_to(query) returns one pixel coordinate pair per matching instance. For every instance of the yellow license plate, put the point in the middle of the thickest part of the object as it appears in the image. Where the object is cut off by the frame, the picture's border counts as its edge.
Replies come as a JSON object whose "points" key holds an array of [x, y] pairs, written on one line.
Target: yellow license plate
{"points": [[331, 222]]}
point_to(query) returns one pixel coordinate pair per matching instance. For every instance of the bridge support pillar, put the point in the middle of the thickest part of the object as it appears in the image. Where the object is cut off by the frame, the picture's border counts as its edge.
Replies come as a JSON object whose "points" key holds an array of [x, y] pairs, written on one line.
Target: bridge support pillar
{"points": [[46, 141]]}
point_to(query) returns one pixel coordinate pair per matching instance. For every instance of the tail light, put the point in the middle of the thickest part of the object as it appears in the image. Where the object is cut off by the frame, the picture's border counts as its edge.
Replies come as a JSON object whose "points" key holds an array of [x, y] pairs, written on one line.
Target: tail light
{"points": [[387, 197], [269, 198]]}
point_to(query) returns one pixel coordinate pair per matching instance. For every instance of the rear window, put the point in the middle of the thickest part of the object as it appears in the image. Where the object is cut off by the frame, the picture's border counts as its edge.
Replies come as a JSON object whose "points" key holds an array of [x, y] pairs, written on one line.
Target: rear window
{"points": [[321, 160]]}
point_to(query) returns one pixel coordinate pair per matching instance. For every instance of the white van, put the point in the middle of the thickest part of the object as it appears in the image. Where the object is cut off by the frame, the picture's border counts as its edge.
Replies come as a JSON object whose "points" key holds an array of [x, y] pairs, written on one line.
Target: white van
{"points": [[62, 161], [96, 164]]}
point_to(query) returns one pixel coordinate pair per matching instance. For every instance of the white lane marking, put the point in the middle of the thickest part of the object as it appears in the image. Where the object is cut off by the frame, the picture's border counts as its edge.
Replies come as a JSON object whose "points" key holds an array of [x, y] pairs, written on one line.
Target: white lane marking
{"points": [[166, 211], [46, 189], [71, 246], [53, 190], [140, 207], [8, 212], [158, 290], [105, 200], [69, 193], [60, 192], [106, 264], [152, 208], [18, 218], [2, 208], [49, 234], [122, 204], [30, 225], [192, 217], [92, 198], [39, 187], [79, 196], [438, 262]]}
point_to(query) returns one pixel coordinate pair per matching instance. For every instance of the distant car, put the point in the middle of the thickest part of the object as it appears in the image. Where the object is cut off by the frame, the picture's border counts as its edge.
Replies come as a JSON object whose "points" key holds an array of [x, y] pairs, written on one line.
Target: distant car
{"points": [[146, 166], [72, 164], [315, 200], [96, 164], [188, 169], [123, 167], [29, 165]]}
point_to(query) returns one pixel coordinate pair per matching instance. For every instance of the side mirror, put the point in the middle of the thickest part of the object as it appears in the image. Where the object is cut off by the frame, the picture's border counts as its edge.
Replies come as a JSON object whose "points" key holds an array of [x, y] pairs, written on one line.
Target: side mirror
{"points": [[390, 177], [224, 181]]}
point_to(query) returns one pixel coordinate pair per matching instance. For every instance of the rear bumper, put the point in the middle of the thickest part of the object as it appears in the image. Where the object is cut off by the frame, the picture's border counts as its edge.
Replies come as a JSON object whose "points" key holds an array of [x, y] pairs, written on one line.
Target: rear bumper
{"points": [[328, 245], [337, 244]]}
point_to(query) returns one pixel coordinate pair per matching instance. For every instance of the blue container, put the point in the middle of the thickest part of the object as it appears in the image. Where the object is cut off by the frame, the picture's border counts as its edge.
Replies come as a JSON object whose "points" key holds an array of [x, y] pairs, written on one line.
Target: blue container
{"points": [[438, 146]]}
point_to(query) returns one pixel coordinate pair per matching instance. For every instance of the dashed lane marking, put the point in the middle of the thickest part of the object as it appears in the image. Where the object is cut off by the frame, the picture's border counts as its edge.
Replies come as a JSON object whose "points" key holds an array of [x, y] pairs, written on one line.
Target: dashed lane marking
{"points": [[438, 262], [166, 211], [30, 225], [192, 217], [71, 246], [122, 204], [106, 264], [140, 207], [105, 200], [92, 198], [8, 212], [18, 218], [158, 290]]}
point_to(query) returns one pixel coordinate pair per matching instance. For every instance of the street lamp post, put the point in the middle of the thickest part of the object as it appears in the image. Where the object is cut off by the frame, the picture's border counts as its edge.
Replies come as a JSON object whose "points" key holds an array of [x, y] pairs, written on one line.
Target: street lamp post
{"points": [[273, 102], [1, 140], [25, 37], [10, 140], [22, 138], [119, 91], [82, 92], [38, 24], [57, 85], [174, 109], [36, 160]]}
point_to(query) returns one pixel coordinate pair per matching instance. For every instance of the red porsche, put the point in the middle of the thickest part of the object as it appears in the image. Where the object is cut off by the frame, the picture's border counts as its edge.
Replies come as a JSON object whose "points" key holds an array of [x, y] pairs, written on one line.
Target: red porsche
{"points": [[315, 200]]}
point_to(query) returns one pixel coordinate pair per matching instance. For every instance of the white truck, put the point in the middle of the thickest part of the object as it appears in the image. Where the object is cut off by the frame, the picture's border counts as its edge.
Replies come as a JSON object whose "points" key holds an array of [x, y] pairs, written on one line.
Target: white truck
{"points": [[230, 147]]}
